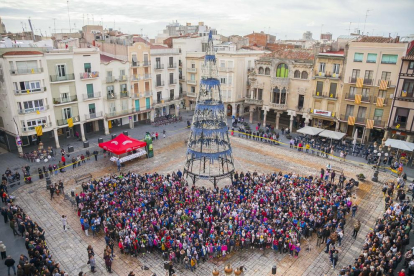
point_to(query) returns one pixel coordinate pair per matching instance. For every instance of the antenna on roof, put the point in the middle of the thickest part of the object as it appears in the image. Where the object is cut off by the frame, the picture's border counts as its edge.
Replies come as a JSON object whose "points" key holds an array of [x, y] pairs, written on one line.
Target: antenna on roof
{"points": [[83, 20], [70, 27], [54, 24], [349, 29], [366, 16]]}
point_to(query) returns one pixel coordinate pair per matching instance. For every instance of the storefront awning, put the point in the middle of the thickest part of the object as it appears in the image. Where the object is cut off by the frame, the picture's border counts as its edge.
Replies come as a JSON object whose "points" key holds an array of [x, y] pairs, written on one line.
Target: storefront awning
{"points": [[332, 134], [400, 144], [308, 130]]}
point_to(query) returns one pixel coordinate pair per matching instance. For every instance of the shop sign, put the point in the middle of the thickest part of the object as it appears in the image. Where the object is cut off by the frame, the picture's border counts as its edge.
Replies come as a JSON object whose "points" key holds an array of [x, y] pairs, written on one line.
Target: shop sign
{"points": [[322, 112]]}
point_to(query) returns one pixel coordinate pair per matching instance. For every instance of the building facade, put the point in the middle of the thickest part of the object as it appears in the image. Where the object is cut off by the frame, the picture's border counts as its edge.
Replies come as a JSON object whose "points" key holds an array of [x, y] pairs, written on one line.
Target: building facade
{"points": [[371, 74], [327, 83], [401, 122], [280, 86]]}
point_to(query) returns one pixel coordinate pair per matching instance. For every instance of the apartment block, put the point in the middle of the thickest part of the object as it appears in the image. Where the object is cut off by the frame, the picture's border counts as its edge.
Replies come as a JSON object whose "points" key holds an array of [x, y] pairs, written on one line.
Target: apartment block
{"points": [[401, 121], [370, 78]]}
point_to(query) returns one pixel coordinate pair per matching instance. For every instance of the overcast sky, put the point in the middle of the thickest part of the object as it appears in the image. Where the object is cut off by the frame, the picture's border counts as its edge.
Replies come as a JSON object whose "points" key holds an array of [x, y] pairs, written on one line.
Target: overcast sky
{"points": [[287, 19]]}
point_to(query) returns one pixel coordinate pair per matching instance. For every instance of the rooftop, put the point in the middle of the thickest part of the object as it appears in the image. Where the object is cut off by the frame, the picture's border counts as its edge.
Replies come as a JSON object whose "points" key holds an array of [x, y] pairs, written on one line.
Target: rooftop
{"points": [[106, 59], [332, 53], [294, 54], [378, 39], [22, 53]]}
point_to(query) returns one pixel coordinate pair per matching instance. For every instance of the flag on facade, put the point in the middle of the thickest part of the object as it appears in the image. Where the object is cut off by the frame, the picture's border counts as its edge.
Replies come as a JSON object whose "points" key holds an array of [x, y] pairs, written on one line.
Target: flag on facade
{"points": [[360, 82], [358, 98], [39, 130], [370, 124], [70, 122], [380, 102], [351, 120], [383, 85]]}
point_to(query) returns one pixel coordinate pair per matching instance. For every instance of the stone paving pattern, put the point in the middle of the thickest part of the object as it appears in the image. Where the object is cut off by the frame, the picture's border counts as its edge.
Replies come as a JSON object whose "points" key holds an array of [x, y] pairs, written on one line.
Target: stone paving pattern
{"points": [[69, 248]]}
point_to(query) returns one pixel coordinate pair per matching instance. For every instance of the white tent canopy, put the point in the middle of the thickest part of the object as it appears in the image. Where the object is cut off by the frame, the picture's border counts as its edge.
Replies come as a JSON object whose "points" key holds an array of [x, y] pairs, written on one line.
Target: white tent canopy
{"points": [[308, 130], [332, 134], [399, 144]]}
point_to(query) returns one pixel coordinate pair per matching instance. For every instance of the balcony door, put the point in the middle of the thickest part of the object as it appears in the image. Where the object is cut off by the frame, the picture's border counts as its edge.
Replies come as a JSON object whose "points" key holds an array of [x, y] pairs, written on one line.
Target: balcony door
{"points": [[136, 105], [148, 103], [158, 63], [89, 90], [92, 111], [362, 110], [87, 67], [171, 62], [67, 113], [61, 72]]}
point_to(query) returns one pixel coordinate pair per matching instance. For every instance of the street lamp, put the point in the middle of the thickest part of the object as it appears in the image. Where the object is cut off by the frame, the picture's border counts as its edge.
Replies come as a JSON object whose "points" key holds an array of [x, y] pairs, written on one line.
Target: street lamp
{"points": [[378, 153]]}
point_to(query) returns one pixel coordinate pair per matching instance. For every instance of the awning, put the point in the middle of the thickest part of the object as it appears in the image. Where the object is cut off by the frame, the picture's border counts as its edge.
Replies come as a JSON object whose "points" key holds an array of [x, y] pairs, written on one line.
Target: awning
{"points": [[400, 144], [332, 134], [308, 130], [122, 144]]}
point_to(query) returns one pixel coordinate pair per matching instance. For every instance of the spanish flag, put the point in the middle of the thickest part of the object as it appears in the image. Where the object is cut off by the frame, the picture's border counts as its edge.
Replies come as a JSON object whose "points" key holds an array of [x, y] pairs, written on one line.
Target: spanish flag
{"points": [[360, 82], [370, 124], [380, 102], [351, 120], [39, 130], [70, 122], [358, 98]]}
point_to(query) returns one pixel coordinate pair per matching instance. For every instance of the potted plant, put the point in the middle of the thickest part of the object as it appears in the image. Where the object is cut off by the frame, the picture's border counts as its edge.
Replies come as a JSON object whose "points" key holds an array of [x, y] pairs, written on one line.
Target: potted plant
{"points": [[361, 177]]}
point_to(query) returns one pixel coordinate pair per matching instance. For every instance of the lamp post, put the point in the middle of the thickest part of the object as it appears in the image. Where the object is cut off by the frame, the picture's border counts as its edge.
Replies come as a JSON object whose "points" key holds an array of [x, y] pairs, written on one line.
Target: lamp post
{"points": [[379, 153]]}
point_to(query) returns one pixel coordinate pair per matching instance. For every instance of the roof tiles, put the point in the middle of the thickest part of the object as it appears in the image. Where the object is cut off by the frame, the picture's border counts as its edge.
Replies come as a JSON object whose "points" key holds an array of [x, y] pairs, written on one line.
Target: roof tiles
{"points": [[378, 39], [22, 53], [294, 54]]}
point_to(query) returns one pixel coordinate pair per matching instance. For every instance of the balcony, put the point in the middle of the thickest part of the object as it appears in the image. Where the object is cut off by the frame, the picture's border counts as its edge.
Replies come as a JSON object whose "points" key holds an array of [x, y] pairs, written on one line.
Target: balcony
{"points": [[192, 70], [182, 78], [146, 63], [258, 85], [172, 65], [90, 75], [67, 77], [120, 113], [385, 100], [319, 74], [123, 78], [253, 101], [368, 81], [111, 96], [29, 91], [350, 97], [192, 82], [124, 94], [360, 120], [280, 81], [110, 79], [135, 64], [91, 116], [403, 95], [91, 96], [68, 100], [147, 93], [331, 96], [388, 82], [379, 123], [399, 125], [136, 78], [278, 106], [344, 117], [26, 71], [191, 94], [32, 128], [63, 122], [225, 69], [158, 66], [33, 110], [174, 81], [159, 83], [147, 76], [366, 98], [353, 79]]}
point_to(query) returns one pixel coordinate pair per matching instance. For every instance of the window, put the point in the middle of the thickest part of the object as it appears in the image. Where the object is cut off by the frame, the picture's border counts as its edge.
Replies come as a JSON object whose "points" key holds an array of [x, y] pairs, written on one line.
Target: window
{"points": [[24, 67], [349, 110], [87, 67], [267, 71], [304, 75], [230, 64], [408, 87], [355, 73], [282, 71], [401, 117], [112, 108], [319, 88], [61, 70], [382, 93], [92, 109], [134, 60], [122, 72], [378, 114], [158, 79], [158, 63], [192, 89], [222, 64], [389, 59], [110, 92], [171, 61], [89, 90], [249, 64], [193, 65], [24, 86], [124, 104], [352, 90], [260, 94], [171, 78], [365, 92], [192, 76], [372, 58], [358, 57], [223, 80], [411, 65], [335, 69], [332, 90], [362, 110], [261, 71], [385, 75], [31, 106], [172, 94], [369, 74], [34, 123], [123, 87], [230, 80], [322, 67], [296, 75]]}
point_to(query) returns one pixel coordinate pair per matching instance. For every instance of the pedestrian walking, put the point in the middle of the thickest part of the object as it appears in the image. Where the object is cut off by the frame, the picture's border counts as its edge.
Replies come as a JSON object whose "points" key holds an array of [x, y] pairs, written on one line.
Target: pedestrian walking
{"points": [[13, 227], [88, 155], [78, 160], [9, 262], [95, 153], [73, 162], [118, 163], [64, 222], [354, 209], [108, 263], [357, 226], [52, 191], [156, 135], [163, 133], [92, 263], [3, 250]]}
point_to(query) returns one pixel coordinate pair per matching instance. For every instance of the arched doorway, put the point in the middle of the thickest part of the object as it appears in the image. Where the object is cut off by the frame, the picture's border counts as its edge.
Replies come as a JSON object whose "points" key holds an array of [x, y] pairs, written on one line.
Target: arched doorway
{"points": [[229, 110]]}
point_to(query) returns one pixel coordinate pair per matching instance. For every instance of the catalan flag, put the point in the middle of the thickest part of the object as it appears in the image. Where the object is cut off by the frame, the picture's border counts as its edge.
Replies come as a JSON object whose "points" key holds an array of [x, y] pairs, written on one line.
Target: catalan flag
{"points": [[380, 102], [383, 85], [39, 130], [359, 82], [358, 98], [70, 122], [370, 124], [351, 120]]}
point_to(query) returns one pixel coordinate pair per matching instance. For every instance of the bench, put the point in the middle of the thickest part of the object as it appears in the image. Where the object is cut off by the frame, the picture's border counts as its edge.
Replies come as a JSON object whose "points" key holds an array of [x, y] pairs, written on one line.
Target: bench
{"points": [[83, 177]]}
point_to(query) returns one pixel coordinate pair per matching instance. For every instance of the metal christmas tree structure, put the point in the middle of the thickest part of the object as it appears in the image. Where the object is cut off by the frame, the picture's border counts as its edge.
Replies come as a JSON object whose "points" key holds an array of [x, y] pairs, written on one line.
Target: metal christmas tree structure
{"points": [[209, 153]]}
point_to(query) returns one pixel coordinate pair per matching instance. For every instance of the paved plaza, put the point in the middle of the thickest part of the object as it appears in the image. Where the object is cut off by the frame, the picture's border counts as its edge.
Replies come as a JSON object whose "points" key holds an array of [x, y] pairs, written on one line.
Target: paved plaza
{"points": [[69, 248]]}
